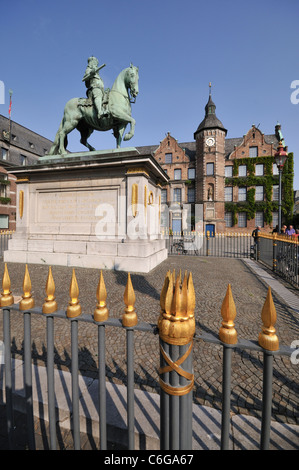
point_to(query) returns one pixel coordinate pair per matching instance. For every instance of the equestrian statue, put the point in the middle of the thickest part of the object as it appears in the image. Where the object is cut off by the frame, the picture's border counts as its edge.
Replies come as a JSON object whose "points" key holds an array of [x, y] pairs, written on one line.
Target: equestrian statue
{"points": [[102, 110]]}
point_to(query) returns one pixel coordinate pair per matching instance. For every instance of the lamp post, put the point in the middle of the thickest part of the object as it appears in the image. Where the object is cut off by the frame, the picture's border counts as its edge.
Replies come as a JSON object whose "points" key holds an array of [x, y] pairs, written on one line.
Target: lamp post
{"points": [[280, 159]]}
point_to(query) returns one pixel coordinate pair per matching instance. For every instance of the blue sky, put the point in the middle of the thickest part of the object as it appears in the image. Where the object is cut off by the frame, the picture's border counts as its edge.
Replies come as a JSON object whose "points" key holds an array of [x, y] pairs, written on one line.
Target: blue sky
{"points": [[248, 50]]}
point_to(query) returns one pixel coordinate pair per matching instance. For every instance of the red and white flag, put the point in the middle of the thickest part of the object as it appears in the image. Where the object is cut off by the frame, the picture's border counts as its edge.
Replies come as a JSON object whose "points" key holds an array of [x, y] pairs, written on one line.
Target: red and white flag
{"points": [[9, 109]]}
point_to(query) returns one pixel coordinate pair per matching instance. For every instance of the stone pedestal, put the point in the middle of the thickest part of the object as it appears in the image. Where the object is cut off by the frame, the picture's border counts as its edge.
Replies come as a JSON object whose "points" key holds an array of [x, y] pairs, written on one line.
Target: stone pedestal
{"points": [[92, 209]]}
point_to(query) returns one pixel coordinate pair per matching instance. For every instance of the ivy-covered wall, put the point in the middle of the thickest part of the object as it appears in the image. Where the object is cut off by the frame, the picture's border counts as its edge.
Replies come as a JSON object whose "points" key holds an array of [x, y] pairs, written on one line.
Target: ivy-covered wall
{"points": [[250, 206]]}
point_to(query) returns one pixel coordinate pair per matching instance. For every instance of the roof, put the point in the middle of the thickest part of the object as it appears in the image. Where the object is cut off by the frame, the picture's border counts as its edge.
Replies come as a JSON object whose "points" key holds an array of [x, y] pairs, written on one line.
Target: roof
{"points": [[230, 144], [210, 120], [189, 147], [25, 138]]}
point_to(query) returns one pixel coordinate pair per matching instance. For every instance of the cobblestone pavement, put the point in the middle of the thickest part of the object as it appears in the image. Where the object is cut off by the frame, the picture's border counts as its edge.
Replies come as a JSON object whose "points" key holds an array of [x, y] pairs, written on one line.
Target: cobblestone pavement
{"points": [[211, 277]]}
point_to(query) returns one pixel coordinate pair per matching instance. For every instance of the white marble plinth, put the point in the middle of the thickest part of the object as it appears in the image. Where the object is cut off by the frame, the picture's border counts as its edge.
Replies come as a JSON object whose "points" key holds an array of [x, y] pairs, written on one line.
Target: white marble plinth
{"points": [[136, 256], [91, 209]]}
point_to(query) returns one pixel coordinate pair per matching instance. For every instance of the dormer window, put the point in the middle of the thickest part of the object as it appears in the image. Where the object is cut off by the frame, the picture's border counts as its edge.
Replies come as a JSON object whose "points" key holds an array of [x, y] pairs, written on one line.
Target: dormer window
{"points": [[4, 153], [23, 160]]}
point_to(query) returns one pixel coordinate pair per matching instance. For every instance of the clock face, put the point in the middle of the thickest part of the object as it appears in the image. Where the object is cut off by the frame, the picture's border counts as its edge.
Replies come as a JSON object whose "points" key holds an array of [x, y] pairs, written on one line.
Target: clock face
{"points": [[210, 141]]}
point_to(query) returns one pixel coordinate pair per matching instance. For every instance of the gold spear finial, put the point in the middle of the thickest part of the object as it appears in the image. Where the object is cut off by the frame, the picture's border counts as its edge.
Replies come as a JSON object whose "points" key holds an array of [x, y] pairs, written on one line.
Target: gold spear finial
{"points": [[27, 301], [267, 337], [101, 312], [179, 300], [164, 291], [74, 308], [169, 294], [6, 296], [227, 332], [176, 322], [129, 318], [50, 304], [190, 296]]}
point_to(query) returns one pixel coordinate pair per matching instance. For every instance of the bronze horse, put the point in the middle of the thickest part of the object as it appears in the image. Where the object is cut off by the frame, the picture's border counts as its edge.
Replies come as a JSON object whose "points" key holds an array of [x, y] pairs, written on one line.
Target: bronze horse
{"points": [[80, 114]]}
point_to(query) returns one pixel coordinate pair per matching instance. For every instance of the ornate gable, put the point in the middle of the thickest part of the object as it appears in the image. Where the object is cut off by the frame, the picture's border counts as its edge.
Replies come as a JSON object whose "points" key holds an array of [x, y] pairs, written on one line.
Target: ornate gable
{"points": [[253, 144], [169, 146]]}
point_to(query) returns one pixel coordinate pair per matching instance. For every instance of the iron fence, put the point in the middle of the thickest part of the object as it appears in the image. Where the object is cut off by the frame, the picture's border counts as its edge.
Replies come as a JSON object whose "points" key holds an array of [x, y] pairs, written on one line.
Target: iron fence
{"points": [[230, 245], [280, 253], [5, 235], [176, 328]]}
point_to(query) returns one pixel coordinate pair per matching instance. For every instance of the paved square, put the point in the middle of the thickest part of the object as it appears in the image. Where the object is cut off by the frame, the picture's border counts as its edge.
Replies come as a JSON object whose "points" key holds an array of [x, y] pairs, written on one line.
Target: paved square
{"points": [[211, 277]]}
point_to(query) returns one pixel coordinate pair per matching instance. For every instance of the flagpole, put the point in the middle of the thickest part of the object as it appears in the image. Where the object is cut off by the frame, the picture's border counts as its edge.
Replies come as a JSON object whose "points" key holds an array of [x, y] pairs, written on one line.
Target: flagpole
{"points": [[9, 111]]}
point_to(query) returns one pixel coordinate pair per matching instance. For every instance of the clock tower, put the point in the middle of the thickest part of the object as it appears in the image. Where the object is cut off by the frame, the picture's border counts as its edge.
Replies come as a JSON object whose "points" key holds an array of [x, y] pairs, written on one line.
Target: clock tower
{"points": [[210, 161]]}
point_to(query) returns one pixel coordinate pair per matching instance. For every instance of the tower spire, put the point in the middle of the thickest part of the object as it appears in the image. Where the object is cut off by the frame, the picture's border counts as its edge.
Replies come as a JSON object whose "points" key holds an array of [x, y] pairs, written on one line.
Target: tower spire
{"points": [[210, 120]]}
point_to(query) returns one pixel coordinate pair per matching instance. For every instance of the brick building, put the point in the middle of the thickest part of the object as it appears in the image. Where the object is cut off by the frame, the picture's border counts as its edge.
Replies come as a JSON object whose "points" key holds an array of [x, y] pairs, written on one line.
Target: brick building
{"points": [[216, 184], [230, 184], [18, 146]]}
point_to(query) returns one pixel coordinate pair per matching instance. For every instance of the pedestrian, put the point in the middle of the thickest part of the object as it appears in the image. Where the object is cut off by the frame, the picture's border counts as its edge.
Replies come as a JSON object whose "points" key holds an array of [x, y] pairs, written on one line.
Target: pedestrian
{"points": [[255, 233], [283, 229], [275, 230], [290, 231]]}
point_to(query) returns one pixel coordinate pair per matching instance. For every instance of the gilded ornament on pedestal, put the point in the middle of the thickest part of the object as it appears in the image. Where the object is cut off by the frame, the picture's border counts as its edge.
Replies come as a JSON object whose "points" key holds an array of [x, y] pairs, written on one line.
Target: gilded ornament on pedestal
{"points": [[134, 199], [21, 203]]}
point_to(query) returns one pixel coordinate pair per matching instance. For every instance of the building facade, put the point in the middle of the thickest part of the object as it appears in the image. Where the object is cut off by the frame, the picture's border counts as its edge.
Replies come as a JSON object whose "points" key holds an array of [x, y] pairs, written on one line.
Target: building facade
{"points": [[18, 146], [225, 184], [216, 184]]}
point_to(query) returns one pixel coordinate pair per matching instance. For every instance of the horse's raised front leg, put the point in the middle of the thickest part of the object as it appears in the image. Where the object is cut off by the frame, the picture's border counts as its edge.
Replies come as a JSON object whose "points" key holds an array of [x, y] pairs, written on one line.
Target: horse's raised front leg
{"points": [[122, 115], [130, 134]]}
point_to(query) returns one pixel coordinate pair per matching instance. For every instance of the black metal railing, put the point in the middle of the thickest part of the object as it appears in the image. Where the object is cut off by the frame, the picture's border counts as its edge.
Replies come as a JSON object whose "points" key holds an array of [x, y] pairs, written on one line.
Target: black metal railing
{"points": [[5, 235], [281, 254], [230, 245], [176, 377]]}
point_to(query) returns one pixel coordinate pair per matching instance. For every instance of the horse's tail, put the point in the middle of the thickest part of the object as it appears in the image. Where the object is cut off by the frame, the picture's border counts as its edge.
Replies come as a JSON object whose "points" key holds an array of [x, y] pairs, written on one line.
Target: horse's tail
{"points": [[54, 150]]}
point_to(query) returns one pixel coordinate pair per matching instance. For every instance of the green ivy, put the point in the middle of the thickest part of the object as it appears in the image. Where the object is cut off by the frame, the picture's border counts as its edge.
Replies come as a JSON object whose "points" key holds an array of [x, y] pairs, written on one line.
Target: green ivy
{"points": [[5, 200], [287, 184], [267, 180]]}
